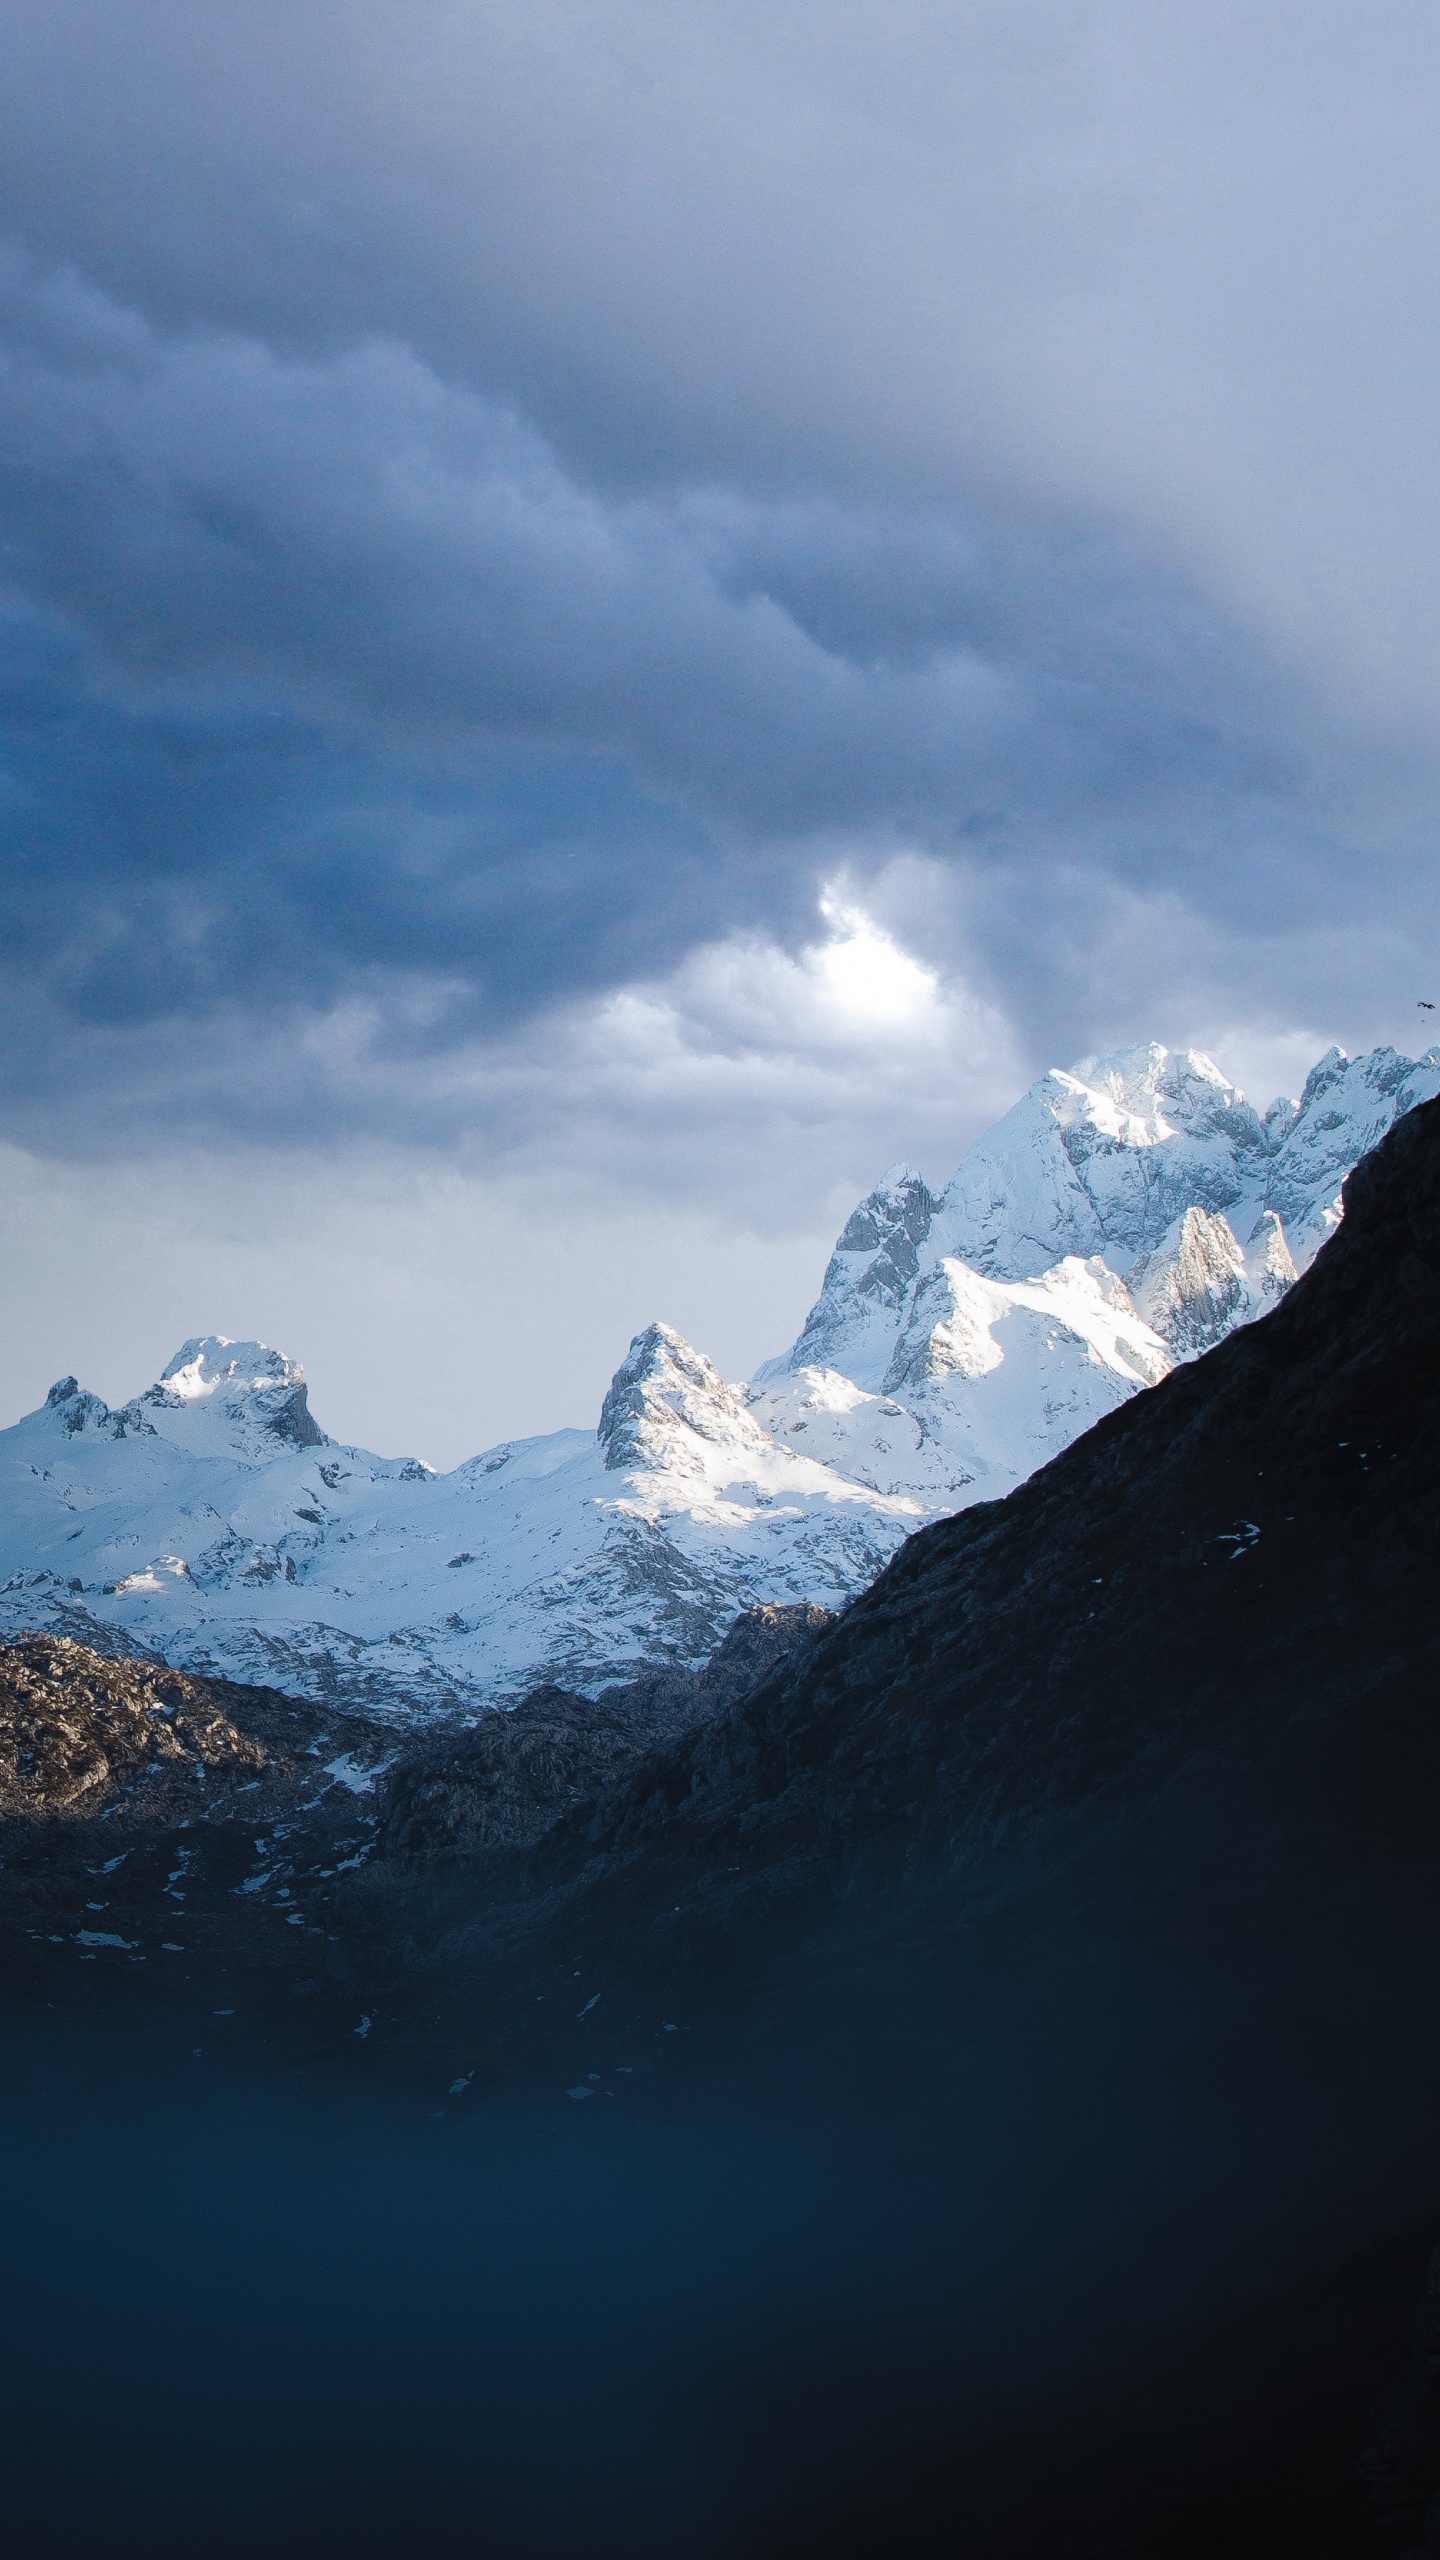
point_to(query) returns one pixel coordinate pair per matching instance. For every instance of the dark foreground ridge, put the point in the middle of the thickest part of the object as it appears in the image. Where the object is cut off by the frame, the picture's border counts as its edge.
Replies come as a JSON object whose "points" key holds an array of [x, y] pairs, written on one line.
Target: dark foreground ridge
{"points": [[1245, 1552], [1088, 1864]]}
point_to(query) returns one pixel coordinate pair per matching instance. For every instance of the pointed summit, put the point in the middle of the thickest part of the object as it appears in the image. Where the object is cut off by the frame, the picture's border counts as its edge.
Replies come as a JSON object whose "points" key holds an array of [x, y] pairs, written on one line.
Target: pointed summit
{"points": [[867, 1284], [209, 1362], [662, 1391], [1193, 1288], [1345, 1109], [1201, 1282]]}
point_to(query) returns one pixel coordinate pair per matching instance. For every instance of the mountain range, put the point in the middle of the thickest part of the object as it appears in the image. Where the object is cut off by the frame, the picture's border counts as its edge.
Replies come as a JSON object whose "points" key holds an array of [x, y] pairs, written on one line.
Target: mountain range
{"points": [[1120, 1220]]}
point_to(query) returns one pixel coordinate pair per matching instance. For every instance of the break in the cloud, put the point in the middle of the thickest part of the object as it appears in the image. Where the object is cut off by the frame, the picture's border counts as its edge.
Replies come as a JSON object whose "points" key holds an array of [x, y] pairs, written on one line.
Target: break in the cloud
{"points": [[686, 1147], [504, 515]]}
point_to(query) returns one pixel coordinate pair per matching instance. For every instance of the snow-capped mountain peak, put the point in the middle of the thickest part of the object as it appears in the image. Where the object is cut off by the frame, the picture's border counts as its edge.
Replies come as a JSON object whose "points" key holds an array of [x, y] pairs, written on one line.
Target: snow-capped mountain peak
{"points": [[1157, 1093], [1345, 1109], [1109, 1160], [664, 1392], [76, 1410], [242, 1394], [210, 1364], [1101, 1160], [215, 1398]]}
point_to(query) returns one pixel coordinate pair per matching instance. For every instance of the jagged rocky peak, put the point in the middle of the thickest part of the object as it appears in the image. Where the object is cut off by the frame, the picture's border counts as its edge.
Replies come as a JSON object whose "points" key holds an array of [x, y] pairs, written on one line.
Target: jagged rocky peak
{"points": [[244, 1380], [77, 1410], [1161, 1092], [896, 1214], [75, 1407], [867, 1283], [1194, 1287], [662, 1390], [1269, 1263], [882, 1238], [1098, 1160], [1200, 1281], [210, 1364], [245, 1385], [1345, 1109], [1106, 1160], [1102, 1159]]}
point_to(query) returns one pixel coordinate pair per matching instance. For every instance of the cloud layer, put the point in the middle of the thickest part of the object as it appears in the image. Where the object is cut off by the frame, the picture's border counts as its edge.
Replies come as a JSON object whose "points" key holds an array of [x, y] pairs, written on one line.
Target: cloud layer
{"points": [[681, 599]]}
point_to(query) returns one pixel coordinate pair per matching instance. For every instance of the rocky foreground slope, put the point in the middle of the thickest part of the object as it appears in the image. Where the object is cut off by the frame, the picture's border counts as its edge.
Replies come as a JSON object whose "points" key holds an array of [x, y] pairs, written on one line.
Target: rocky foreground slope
{"points": [[1121, 1219], [189, 1825]]}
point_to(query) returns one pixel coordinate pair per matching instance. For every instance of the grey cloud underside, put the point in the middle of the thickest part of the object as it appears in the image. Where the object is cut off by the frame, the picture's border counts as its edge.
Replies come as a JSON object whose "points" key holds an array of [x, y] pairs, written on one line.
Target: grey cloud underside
{"points": [[392, 556], [324, 679], [488, 507]]}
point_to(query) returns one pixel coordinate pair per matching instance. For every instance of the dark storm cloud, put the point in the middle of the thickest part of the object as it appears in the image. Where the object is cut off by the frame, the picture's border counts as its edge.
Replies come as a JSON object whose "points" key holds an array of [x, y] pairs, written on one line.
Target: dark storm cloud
{"points": [[490, 504], [164, 854], [401, 554]]}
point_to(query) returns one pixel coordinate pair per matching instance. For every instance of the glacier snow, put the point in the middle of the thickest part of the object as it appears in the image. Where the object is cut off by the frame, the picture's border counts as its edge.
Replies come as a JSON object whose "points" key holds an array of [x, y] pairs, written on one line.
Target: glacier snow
{"points": [[1124, 1216]]}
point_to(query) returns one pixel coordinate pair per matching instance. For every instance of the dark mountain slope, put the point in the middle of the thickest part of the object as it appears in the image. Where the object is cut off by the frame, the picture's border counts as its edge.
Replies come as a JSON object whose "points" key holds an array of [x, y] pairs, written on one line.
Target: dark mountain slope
{"points": [[1250, 1547], [1088, 1869], [502, 1779]]}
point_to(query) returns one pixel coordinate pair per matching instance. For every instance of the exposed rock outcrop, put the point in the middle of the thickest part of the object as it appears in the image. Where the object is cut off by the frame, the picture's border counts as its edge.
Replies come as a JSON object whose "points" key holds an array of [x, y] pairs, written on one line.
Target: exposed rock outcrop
{"points": [[80, 1732]]}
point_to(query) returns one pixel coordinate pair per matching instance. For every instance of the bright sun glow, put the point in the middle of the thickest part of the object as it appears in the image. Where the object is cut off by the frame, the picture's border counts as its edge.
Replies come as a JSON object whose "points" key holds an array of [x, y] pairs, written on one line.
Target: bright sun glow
{"points": [[867, 975]]}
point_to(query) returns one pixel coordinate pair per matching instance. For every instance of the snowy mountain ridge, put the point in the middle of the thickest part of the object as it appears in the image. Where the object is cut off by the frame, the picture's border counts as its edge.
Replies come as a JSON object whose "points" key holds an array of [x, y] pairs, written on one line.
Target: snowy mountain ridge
{"points": [[1122, 1217], [1106, 1161]]}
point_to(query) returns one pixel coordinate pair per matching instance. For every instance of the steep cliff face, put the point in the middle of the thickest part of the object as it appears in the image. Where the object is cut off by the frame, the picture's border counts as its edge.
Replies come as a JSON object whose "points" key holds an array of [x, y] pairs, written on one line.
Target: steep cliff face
{"points": [[1200, 1282], [868, 1281]]}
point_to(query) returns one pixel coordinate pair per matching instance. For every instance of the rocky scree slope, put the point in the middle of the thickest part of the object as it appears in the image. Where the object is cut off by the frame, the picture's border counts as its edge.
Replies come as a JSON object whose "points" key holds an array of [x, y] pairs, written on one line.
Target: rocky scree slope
{"points": [[151, 1818], [79, 1734]]}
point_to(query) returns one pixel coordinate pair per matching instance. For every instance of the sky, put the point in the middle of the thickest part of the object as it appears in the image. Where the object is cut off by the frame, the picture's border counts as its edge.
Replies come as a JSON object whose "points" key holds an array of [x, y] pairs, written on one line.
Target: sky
{"points": [[613, 616]]}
